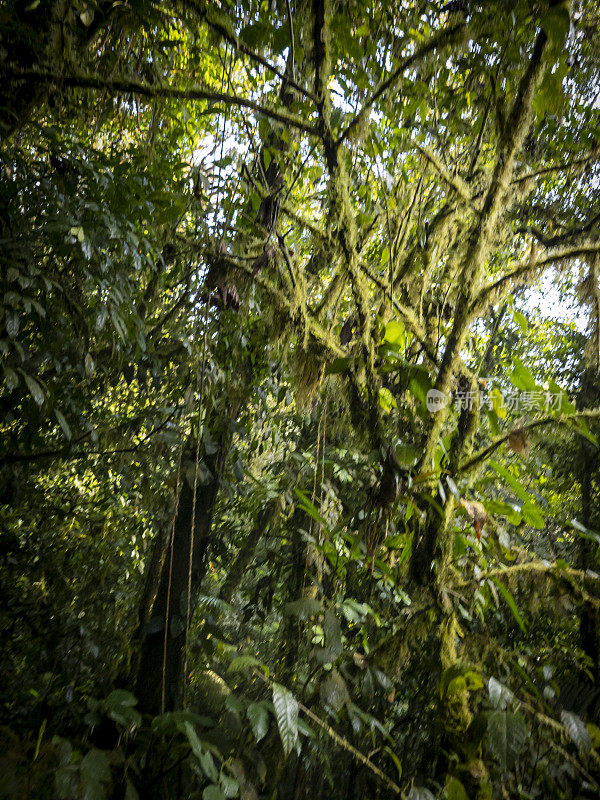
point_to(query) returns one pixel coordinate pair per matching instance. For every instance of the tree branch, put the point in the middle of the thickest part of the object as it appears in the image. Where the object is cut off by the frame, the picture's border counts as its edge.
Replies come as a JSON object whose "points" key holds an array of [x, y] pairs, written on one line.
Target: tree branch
{"points": [[439, 39], [124, 86], [526, 270]]}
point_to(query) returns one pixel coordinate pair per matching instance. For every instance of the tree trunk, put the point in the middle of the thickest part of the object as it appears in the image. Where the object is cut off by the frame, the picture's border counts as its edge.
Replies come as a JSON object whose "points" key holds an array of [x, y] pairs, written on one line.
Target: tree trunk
{"points": [[171, 597]]}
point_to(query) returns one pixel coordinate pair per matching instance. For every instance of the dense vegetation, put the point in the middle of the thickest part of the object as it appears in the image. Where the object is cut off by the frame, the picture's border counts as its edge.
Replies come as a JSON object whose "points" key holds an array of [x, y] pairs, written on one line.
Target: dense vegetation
{"points": [[300, 402]]}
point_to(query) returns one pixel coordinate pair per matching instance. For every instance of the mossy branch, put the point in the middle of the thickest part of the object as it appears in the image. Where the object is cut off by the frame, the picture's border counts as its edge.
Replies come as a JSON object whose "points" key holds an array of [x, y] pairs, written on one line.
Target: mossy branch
{"points": [[443, 37], [214, 22], [125, 86], [454, 181], [564, 420], [525, 271]]}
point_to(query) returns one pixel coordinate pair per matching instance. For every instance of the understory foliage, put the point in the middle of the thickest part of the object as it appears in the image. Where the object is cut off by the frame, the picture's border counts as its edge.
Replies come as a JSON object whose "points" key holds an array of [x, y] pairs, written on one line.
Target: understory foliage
{"points": [[300, 401]]}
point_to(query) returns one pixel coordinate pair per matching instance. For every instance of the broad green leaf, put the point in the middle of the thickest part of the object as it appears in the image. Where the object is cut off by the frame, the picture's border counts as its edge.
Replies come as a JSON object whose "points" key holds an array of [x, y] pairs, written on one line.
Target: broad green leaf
{"points": [[259, 719], [521, 377], [286, 714], [213, 792], [35, 389], [394, 332], [454, 790], [506, 735], [303, 608], [500, 696], [243, 662], [532, 515], [420, 793], [521, 321], [95, 766], [120, 697]]}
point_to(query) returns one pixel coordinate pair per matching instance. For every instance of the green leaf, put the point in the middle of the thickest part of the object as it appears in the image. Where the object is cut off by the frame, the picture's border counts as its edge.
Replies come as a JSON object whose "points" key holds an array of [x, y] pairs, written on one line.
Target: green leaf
{"points": [[510, 601], [95, 767], [286, 714], [259, 720], [334, 692], [395, 759], [578, 733], [506, 736], [387, 401], [243, 662], [500, 696], [35, 389], [454, 790], [310, 508], [521, 378], [521, 321], [120, 697], [497, 508], [213, 792], [63, 423], [532, 515], [394, 332], [511, 481], [420, 793], [303, 608], [193, 739]]}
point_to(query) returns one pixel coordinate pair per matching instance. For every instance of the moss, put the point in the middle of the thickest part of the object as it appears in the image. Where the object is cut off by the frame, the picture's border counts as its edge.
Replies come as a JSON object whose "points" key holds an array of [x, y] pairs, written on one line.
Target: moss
{"points": [[457, 715], [309, 369]]}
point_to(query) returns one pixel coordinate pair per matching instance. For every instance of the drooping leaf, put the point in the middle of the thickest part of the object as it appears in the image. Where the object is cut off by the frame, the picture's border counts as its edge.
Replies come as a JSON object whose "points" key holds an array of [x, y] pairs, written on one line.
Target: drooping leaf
{"points": [[578, 733], [506, 736], [500, 696], [286, 714], [259, 719]]}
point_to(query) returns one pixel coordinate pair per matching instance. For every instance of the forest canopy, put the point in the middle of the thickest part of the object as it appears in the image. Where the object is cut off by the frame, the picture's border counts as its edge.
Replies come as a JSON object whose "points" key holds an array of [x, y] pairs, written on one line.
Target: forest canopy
{"points": [[300, 399]]}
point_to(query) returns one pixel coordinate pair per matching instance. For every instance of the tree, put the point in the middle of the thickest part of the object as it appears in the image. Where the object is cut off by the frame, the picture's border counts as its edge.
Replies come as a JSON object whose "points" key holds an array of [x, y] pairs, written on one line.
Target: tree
{"points": [[267, 328]]}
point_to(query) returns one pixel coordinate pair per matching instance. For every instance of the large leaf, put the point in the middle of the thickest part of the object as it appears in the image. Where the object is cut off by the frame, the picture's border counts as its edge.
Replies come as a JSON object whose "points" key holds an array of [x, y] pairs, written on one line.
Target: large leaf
{"points": [[259, 719], [420, 793], [506, 735], [286, 714], [454, 790], [303, 608], [578, 733], [500, 696]]}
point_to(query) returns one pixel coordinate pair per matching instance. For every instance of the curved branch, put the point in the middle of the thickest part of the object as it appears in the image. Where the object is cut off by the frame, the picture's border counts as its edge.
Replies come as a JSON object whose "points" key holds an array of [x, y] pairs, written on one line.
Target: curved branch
{"points": [[445, 36], [526, 270], [592, 413], [124, 86]]}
